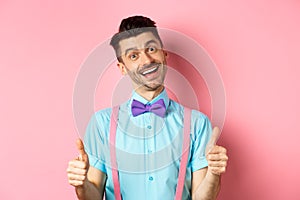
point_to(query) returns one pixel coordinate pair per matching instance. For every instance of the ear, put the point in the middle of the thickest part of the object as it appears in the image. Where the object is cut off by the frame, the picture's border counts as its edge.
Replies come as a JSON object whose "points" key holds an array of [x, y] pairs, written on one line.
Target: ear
{"points": [[122, 68], [166, 54]]}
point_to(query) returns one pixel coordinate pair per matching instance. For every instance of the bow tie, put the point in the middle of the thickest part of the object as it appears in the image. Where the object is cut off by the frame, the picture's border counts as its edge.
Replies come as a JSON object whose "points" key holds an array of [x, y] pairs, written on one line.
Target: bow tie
{"points": [[157, 108]]}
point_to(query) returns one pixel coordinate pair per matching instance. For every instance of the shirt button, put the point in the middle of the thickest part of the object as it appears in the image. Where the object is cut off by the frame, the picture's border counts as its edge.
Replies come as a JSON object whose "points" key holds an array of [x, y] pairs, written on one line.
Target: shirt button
{"points": [[149, 127], [150, 178], [149, 151]]}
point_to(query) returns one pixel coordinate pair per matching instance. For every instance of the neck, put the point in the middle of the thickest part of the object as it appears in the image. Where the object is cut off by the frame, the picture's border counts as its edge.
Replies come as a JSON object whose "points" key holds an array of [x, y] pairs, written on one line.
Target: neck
{"points": [[150, 94]]}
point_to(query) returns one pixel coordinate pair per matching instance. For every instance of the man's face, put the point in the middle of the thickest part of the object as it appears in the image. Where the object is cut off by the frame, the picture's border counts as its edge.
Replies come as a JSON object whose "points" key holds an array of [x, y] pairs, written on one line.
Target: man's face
{"points": [[143, 60]]}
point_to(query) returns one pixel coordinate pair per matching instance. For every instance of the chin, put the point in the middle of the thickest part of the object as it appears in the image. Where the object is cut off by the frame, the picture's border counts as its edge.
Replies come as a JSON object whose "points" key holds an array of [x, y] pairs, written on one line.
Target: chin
{"points": [[153, 86]]}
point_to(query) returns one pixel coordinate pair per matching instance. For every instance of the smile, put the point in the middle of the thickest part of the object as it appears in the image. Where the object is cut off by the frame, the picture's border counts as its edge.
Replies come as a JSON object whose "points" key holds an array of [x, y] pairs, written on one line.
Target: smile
{"points": [[150, 71]]}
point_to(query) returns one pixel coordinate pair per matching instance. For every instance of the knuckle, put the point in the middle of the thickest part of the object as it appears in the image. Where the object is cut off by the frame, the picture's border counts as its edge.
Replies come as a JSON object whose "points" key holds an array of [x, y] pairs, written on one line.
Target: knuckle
{"points": [[73, 183], [82, 178], [71, 177], [208, 157], [80, 182], [226, 157], [84, 165], [85, 172], [224, 169], [69, 170]]}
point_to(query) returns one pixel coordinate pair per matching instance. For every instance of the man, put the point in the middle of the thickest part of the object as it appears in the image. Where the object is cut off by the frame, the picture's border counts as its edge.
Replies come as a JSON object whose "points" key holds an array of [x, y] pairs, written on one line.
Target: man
{"points": [[146, 165]]}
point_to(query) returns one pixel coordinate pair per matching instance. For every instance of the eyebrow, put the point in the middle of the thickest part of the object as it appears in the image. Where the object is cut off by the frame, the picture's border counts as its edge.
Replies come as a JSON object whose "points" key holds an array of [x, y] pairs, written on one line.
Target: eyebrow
{"points": [[134, 48], [150, 41]]}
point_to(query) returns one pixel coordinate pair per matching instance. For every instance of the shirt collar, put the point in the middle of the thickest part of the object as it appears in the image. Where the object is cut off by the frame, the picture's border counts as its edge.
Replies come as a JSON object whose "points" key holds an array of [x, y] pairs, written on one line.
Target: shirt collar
{"points": [[163, 95]]}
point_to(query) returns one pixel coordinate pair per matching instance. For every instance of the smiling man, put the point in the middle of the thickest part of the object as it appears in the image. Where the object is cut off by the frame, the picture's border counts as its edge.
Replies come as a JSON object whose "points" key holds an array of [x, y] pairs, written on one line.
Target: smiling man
{"points": [[156, 148]]}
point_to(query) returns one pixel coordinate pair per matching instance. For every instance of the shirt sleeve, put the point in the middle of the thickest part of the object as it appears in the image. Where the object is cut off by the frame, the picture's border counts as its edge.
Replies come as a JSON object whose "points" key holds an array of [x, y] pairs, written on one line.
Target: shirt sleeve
{"points": [[95, 141], [201, 132]]}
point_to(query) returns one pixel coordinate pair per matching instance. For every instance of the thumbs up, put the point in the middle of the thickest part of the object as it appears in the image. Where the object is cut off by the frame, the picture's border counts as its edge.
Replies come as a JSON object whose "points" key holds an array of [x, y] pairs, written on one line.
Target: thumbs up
{"points": [[216, 155], [78, 167], [213, 140], [80, 147]]}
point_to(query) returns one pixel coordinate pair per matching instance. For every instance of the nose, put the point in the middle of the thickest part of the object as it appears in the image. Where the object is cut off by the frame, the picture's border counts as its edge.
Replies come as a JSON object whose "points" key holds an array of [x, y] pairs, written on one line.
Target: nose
{"points": [[146, 58]]}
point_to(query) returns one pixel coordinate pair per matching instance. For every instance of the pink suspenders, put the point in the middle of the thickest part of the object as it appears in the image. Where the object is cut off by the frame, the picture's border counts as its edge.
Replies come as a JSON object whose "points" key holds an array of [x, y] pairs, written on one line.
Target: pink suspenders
{"points": [[113, 130], [183, 162], [185, 154]]}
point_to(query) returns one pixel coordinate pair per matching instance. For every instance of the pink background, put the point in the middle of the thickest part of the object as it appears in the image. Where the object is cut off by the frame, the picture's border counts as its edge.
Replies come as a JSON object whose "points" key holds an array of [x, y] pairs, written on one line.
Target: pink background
{"points": [[254, 43]]}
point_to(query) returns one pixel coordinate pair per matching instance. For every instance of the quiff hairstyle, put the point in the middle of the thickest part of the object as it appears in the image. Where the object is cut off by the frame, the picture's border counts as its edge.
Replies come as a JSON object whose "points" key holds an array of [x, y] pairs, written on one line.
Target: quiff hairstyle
{"points": [[131, 27]]}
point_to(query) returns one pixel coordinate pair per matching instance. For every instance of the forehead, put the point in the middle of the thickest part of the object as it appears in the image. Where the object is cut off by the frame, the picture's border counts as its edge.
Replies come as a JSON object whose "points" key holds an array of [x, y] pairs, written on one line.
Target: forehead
{"points": [[137, 42]]}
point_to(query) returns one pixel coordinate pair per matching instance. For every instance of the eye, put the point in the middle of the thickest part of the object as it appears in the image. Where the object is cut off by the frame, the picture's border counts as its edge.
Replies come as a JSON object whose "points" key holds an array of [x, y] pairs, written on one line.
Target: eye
{"points": [[133, 56], [152, 49]]}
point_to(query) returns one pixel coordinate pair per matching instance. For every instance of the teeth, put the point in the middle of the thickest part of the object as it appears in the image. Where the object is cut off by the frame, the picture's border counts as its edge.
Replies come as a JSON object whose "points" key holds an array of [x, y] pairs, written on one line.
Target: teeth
{"points": [[149, 71]]}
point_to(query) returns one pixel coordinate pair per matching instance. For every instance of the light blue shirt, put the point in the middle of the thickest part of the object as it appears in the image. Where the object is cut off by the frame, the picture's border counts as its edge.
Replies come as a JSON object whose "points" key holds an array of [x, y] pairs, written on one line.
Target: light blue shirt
{"points": [[148, 149]]}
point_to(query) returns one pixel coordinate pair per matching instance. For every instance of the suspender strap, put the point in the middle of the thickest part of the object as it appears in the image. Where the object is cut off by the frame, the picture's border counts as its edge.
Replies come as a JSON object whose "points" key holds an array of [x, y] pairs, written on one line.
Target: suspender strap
{"points": [[113, 130], [183, 162], [185, 153]]}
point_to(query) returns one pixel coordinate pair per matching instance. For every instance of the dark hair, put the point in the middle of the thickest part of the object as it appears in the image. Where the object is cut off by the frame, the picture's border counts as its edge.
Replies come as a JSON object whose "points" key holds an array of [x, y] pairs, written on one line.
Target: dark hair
{"points": [[130, 27]]}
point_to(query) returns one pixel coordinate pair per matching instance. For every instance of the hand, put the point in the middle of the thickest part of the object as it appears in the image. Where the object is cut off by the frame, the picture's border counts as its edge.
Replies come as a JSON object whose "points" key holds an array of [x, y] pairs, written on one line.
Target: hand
{"points": [[78, 167], [216, 155]]}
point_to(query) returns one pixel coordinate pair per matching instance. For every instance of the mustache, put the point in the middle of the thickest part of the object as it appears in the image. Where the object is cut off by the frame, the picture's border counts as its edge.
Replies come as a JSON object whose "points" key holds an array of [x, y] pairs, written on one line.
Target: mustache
{"points": [[150, 65]]}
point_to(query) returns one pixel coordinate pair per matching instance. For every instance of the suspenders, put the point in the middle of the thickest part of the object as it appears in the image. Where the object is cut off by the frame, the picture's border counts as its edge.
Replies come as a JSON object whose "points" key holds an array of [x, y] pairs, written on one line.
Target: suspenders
{"points": [[184, 158], [112, 135]]}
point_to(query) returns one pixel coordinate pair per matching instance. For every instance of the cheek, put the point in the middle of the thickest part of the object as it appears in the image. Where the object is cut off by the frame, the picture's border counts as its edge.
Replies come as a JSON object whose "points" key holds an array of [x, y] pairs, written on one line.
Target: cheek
{"points": [[160, 57], [132, 68], [129, 66]]}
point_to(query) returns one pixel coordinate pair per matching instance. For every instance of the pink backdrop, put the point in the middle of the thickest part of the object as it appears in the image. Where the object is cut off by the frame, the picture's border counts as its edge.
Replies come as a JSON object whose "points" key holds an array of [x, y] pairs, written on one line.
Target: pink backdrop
{"points": [[254, 43]]}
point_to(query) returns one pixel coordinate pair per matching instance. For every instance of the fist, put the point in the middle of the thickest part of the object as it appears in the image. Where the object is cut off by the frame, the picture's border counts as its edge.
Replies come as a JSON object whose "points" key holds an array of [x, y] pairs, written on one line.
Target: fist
{"points": [[78, 167], [217, 160]]}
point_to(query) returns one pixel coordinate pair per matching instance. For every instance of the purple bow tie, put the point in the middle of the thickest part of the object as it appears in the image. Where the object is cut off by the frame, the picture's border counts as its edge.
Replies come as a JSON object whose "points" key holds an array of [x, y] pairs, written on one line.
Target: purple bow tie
{"points": [[157, 108]]}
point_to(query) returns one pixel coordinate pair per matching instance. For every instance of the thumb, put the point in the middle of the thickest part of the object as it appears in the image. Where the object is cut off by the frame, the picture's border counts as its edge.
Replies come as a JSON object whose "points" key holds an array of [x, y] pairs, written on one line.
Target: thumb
{"points": [[80, 148], [213, 140]]}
